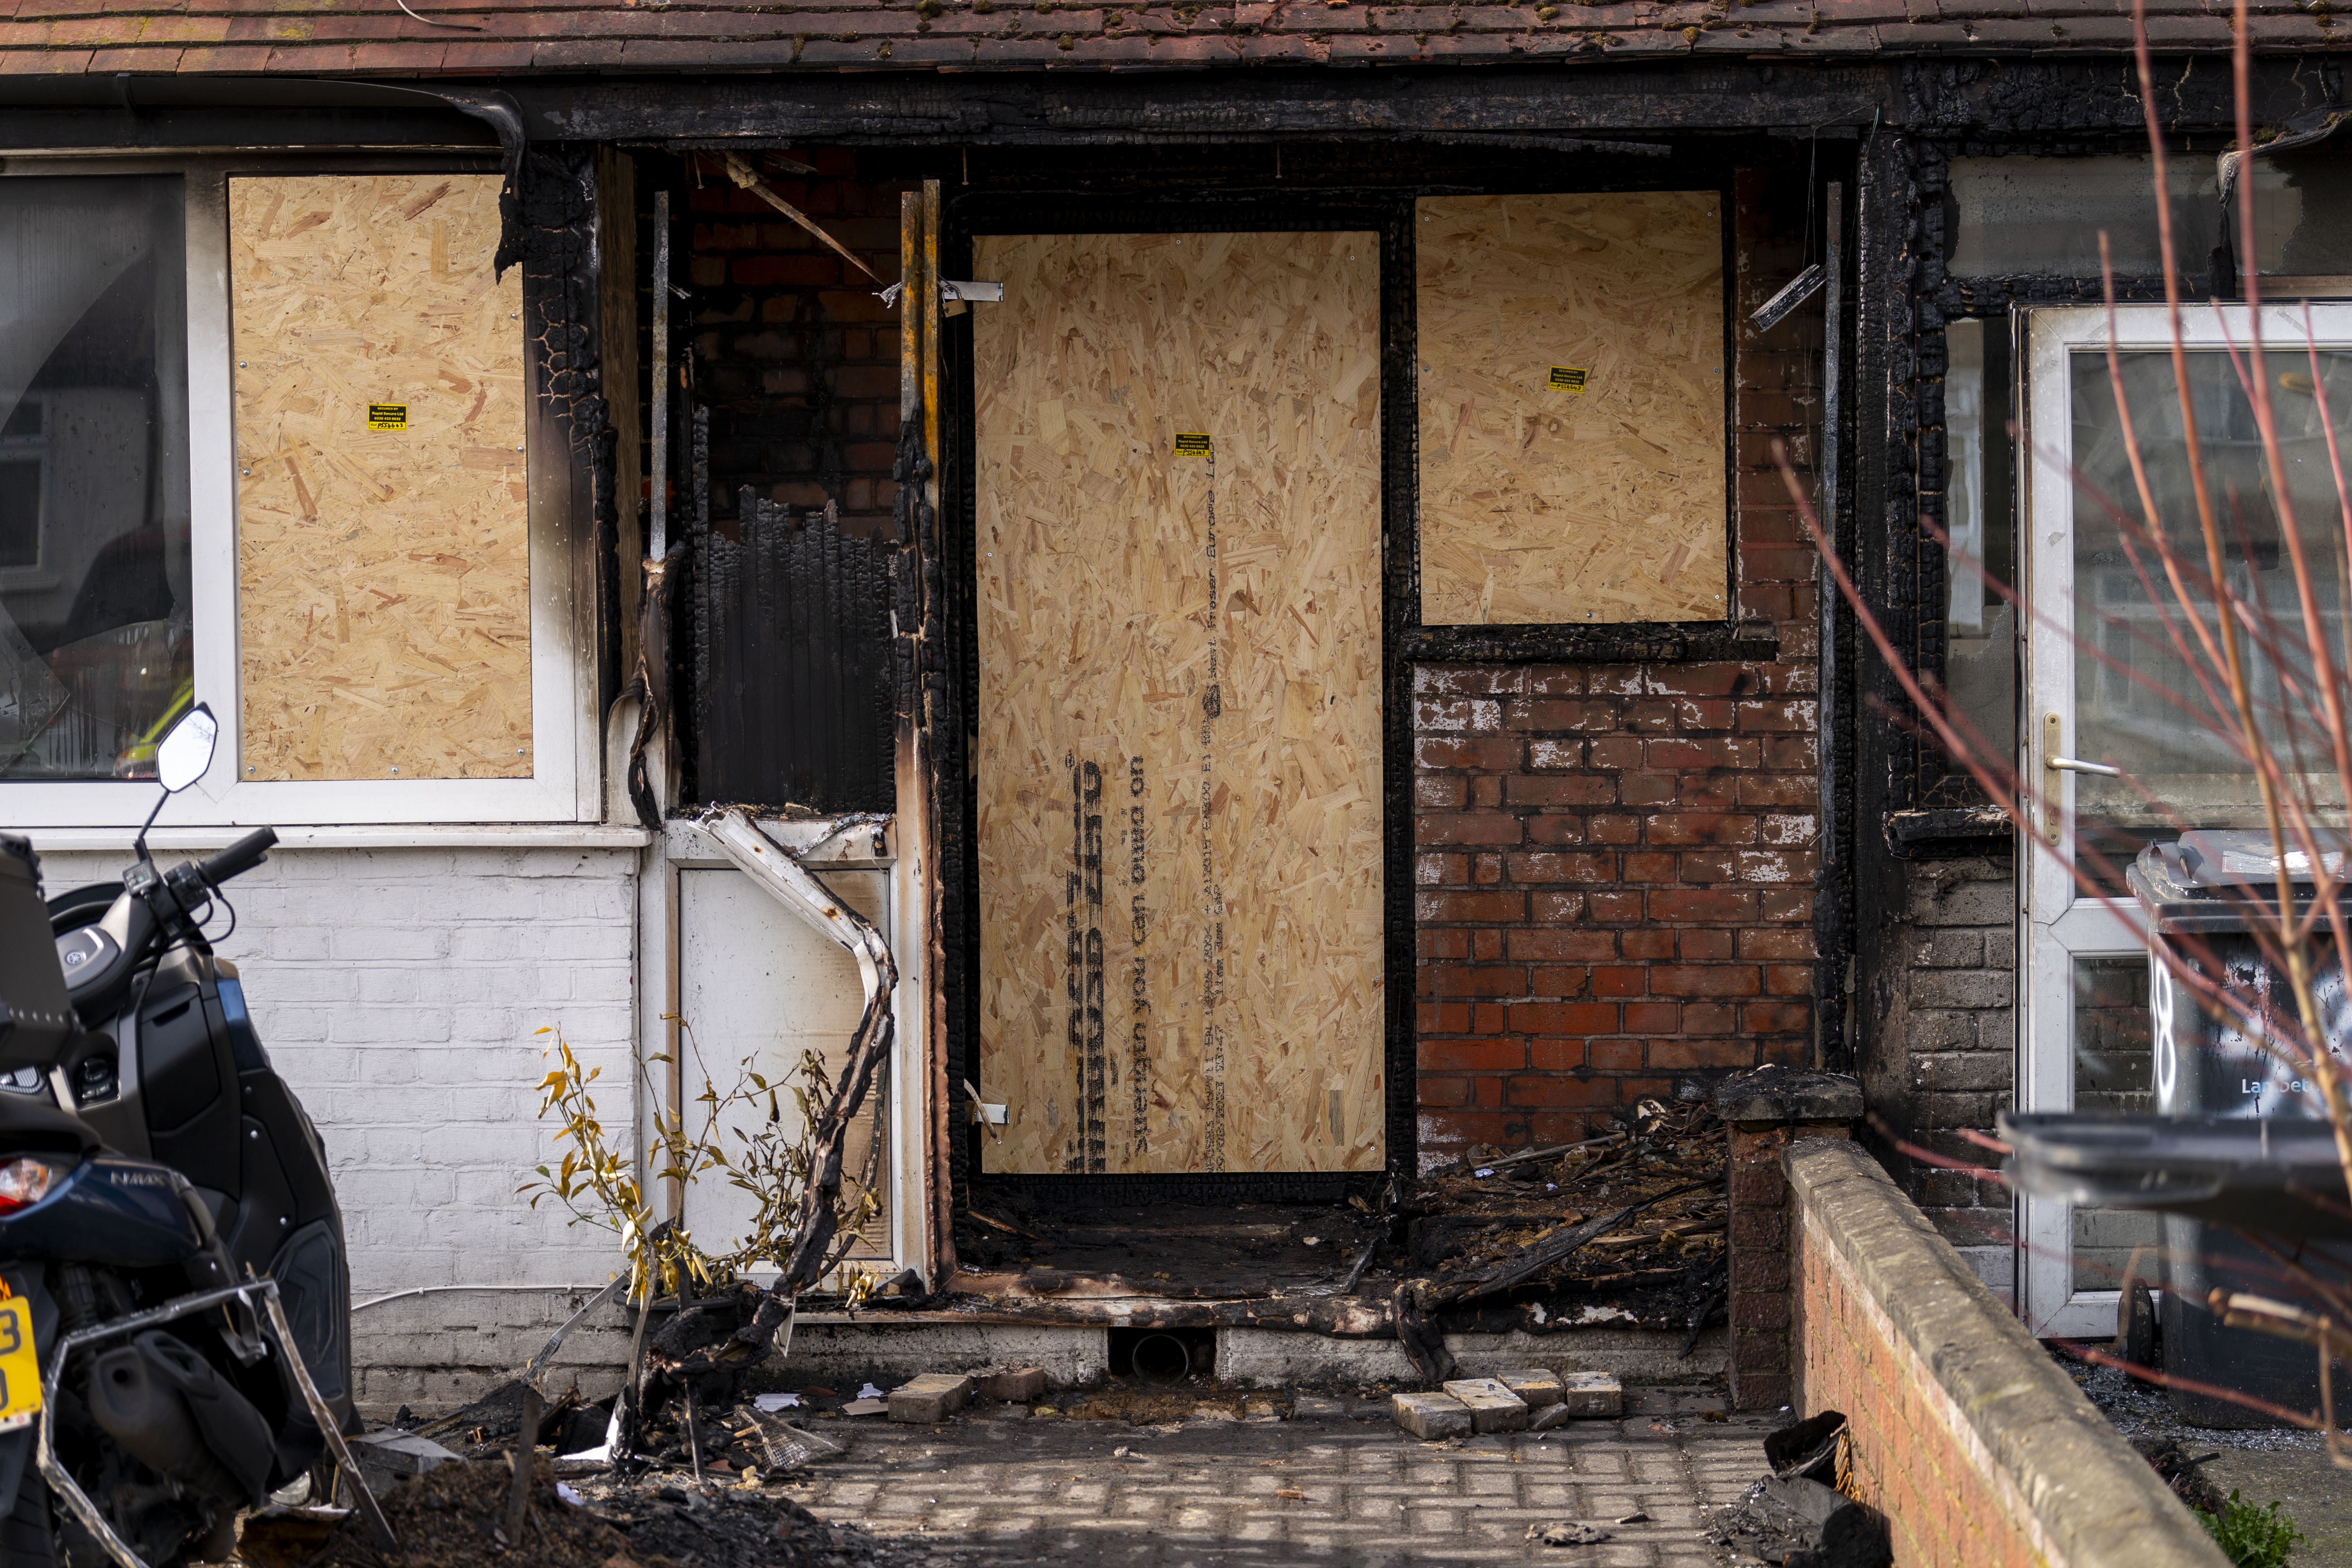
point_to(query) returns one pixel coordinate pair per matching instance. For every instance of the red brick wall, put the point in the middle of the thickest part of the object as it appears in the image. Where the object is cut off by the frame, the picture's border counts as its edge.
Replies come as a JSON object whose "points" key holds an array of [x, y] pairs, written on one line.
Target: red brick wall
{"points": [[1615, 863], [1909, 1456], [1760, 1311], [795, 356]]}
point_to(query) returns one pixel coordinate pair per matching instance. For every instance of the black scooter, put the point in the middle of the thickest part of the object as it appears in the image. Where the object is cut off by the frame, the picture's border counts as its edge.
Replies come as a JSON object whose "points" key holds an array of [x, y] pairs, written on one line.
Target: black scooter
{"points": [[168, 1230]]}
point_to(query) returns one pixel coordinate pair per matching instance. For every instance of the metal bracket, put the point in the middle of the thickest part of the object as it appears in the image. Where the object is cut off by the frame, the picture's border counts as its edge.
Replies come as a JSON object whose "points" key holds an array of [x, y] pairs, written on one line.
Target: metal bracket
{"points": [[978, 1112], [266, 1290], [536, 1367], [1799, 290], [971, 293]]}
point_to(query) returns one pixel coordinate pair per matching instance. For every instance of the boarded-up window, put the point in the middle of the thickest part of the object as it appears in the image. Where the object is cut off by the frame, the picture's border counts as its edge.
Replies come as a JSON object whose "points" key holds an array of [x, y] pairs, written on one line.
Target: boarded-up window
{"points": [[1571, 408], [384, 564], [1179, 752]]}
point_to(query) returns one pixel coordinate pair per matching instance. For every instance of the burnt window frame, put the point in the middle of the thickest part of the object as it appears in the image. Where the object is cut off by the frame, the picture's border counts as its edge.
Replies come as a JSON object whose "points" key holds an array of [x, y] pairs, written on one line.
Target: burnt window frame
{"points": [[1932, 808]]}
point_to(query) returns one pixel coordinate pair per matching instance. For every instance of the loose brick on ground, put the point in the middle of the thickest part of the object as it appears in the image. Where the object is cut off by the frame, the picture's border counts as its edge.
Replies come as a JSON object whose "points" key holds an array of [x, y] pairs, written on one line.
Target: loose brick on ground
{"points": [[1492, 1406]]}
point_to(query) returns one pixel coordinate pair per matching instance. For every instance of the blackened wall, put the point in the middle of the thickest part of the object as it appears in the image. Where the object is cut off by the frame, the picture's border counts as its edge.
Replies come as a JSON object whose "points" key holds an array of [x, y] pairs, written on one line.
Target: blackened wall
{"points": [[795, 355], [791, 365]]}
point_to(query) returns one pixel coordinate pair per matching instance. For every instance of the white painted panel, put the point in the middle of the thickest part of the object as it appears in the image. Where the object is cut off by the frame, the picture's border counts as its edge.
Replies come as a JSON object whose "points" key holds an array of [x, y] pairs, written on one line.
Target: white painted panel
{"points": [[755, 983]]}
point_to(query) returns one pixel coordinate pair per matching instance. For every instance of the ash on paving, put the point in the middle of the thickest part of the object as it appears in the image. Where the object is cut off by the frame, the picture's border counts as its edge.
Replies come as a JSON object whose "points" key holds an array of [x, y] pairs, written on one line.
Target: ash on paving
{"points": [[454, 1517]]}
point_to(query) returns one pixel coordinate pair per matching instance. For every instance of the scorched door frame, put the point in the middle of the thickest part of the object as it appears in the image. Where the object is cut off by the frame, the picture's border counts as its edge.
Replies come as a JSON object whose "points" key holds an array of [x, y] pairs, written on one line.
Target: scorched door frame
{"points": [[1404, 641]]}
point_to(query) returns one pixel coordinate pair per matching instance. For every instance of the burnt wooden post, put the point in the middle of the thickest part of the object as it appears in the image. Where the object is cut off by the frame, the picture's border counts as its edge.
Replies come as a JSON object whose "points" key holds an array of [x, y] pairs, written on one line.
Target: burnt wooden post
{"points": [[1766, 1110]]}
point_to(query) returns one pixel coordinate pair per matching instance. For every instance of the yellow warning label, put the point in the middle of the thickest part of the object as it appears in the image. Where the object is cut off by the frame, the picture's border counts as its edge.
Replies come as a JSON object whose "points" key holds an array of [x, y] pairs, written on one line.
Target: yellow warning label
{"points": [[395, 415], [1567, 378], [1191, 444]]}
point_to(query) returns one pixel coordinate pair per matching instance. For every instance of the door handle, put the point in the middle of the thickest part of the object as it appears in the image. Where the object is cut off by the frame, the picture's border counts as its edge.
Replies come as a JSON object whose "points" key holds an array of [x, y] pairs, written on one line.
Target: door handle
{"points": [[2053, 764]]}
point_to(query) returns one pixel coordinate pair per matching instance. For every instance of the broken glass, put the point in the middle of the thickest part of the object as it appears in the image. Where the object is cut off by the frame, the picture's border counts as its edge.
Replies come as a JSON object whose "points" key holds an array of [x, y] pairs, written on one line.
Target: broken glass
{"points": [[2303, 212], [2114, 1075], [1980, 623], [2024, 217]]}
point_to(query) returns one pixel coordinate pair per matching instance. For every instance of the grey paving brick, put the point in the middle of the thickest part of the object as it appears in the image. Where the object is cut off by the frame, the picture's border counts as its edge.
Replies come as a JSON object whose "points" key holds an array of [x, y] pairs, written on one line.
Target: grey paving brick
{"points": [[980, 1494]]}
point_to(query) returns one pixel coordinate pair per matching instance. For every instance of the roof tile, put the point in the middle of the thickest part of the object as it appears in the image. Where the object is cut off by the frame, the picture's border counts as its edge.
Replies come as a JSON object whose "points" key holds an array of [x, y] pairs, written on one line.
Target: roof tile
{"points": [[43, 62], [487, 57], [313, 37], [402, 58], [104, 61], [243, 59]]}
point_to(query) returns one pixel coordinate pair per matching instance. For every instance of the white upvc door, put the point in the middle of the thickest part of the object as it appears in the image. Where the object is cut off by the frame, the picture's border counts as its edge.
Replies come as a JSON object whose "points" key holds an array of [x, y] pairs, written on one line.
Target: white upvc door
{"points": [[2094, 674]]}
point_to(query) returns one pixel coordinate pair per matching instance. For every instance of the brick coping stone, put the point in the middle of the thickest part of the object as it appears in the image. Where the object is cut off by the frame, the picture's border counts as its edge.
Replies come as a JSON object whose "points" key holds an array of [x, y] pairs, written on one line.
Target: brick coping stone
{"points": [[2088, 1494]]}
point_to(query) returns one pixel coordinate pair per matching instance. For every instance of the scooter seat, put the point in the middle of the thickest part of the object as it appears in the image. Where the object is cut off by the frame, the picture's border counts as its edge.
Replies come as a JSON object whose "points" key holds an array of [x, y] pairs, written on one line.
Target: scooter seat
{"points": [[29, 1123]]}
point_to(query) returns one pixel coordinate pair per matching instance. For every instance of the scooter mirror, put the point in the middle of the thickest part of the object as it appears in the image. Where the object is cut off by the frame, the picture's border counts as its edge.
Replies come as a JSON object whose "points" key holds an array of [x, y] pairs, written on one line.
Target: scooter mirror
{"points": [[187, 750]]}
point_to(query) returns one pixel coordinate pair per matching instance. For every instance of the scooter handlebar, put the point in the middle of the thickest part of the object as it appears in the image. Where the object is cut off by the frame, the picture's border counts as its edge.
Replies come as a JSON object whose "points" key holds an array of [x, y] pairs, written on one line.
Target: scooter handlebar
{"points": [[240, 857]]}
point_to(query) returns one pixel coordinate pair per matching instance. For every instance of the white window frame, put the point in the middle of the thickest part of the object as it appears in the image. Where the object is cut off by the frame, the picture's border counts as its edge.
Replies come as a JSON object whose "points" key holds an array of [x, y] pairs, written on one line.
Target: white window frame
{"points": [[563, 786], [2057, 925]]}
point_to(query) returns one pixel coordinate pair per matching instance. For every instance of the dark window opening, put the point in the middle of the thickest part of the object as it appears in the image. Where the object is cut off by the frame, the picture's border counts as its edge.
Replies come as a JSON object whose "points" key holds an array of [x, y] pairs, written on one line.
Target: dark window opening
{"points": [[96, 644]]}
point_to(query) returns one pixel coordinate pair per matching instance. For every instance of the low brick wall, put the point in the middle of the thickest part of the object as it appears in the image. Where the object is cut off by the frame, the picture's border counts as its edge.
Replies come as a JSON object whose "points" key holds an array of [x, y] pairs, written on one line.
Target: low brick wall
{"points": [[1965, 1435]]}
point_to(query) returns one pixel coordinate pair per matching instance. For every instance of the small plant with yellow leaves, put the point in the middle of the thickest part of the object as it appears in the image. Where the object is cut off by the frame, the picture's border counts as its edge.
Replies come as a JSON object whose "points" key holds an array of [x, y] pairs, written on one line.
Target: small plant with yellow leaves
{"points": [[772, 1160]]}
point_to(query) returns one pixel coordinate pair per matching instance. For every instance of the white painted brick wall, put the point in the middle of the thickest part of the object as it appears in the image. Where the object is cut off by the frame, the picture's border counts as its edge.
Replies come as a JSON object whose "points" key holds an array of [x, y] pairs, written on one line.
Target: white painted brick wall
{"points": [[398, 992]]}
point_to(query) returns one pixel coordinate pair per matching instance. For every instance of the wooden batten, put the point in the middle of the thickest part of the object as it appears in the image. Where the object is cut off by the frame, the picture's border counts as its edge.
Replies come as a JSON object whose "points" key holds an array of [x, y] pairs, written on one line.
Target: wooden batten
{"points": [[1572, 365], [384, 561], [1179, 755]]}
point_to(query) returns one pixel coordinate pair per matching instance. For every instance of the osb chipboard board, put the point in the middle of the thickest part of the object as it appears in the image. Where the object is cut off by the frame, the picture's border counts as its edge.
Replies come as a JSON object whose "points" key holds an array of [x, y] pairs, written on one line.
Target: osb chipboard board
{"points": [[384, 562], [1178, 760], [1572, 365]]}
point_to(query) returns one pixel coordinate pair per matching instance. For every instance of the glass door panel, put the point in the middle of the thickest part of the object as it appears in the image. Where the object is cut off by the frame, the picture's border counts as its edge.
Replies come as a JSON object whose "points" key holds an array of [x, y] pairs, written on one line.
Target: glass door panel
{"points": [[2112, 680], [2138, 703]]}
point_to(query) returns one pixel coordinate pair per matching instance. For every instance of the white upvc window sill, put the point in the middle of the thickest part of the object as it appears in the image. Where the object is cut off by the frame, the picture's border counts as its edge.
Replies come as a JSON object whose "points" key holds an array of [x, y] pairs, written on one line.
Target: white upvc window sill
{"points": [[387, 835]]}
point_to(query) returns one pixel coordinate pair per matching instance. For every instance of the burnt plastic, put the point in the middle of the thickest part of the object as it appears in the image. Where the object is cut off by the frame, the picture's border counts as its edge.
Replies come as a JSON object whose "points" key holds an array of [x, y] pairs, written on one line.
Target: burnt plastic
{"points": [[2218, 880], [166, 1404]]}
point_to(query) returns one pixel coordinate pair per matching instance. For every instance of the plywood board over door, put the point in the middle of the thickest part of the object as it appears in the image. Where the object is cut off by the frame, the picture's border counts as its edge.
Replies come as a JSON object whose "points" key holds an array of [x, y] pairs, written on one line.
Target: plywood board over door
{"points": [[383, 555], [1179, 723], [1571, 364]]}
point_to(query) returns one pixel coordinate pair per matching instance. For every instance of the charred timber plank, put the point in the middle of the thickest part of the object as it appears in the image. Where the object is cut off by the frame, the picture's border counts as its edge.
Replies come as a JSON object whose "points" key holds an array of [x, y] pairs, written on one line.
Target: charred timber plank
{"points": [[2055, 97], [1010, 110], [1341, 1317]]}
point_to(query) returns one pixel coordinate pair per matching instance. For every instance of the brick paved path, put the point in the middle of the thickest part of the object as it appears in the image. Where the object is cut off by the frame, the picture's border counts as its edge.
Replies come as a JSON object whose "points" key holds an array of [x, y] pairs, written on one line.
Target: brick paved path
{"points": [[1207, 1494]]}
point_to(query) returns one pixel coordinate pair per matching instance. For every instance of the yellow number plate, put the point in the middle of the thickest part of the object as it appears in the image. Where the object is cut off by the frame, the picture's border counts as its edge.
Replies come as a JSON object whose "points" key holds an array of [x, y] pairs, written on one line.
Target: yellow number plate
{"points": [[20, 1365]]}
